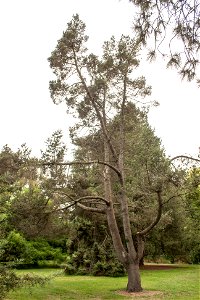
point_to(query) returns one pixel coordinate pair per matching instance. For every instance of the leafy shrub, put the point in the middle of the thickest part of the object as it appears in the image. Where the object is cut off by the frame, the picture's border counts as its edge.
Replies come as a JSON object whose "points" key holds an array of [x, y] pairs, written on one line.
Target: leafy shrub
{"points": [[17, 248], [90, 249], [113, 269], [195, 254], [38, 251], [70, 269], [95, 261], [13, 247], [10, 281]]}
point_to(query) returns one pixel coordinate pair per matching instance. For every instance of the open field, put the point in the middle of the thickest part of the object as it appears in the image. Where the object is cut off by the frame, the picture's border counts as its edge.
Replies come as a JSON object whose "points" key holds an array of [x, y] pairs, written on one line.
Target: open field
{"points": [[181, 283]]}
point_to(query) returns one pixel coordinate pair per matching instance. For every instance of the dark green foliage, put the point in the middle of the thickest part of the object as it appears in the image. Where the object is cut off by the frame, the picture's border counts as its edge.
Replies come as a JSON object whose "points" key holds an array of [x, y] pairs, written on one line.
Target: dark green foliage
{"points": [[112, 268], [177, 237], [195, 253], [15, 176], [28, 211], [90, 250], [54, 153], [145, 163], [27, 191], [32, 213], [192, 227], [12, 248], [28, 253]]}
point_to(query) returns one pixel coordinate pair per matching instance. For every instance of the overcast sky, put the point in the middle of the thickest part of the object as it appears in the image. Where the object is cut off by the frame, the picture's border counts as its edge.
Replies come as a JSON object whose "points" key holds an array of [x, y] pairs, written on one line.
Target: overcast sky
{"points": [[29, 30]]}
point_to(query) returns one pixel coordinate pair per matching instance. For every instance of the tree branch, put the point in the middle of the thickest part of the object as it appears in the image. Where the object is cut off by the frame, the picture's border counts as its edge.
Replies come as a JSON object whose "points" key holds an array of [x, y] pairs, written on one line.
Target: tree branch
{"points": [[84, 163], [172, 197], [94, 198], [92, 209], [159, 213], [95, 107], [76, 202], [186, 157]]}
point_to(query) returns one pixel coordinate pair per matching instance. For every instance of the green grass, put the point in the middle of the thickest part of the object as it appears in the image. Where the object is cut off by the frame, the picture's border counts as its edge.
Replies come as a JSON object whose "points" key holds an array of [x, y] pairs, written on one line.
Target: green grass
{"points": [[181, 283]]}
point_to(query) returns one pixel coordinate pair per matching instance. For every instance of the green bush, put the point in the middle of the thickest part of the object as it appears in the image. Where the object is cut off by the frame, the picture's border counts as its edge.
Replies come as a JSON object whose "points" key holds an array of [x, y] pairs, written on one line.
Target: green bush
{"points": [[95, 261], [90, 250], [113, 269], [16, 248], [70, 269], [10, 281], [40, 250], [12, 248], [195, 254]]}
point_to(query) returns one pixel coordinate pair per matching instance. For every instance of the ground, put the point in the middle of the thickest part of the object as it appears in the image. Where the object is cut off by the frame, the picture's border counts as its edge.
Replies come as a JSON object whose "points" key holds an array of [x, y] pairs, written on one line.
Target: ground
{"points": [[148, 294], [158, 267], [141, 295]]}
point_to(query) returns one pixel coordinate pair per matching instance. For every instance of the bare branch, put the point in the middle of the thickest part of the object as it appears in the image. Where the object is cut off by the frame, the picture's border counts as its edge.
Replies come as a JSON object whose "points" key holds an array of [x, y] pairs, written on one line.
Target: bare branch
{"points": [[159, 214], [185, 157], [77, 202], [84, 163], [92, 209], [94, 198], [172, 197]]}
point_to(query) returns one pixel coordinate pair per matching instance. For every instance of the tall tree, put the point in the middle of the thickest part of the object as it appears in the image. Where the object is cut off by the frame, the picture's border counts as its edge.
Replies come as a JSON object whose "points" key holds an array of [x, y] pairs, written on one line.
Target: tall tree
{"points": [[27, 191], [171, 28], [96, 89], [39, 215]]}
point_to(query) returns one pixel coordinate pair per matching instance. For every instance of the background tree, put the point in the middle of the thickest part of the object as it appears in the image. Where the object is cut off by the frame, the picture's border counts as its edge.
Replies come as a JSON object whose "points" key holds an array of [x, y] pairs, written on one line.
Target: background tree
{"points": [[172, 25], [31, 202], [15, 172], [145, 165], [32, 230], [192, 226]]}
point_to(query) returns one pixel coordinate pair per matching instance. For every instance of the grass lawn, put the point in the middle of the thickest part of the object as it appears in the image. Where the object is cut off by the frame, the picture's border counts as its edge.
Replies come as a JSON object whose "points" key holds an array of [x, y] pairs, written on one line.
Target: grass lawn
{"points": [[180, 283]]}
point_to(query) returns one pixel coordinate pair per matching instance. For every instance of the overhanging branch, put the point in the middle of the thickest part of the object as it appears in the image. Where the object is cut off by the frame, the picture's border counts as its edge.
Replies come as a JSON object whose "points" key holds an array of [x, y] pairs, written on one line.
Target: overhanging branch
{"points": [[83, 163], [92, 209], [185, 157], [159, 213], [77, 202], [173, 197]]}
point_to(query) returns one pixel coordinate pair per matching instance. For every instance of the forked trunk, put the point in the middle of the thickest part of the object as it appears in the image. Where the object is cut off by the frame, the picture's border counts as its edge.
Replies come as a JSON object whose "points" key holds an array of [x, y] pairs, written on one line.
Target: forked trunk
{"points": [[134, 281]]}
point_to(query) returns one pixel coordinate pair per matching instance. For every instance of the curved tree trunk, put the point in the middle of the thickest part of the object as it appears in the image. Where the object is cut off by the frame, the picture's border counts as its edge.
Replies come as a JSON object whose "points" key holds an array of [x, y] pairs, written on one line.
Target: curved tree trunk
{"points": [[134, 281]]}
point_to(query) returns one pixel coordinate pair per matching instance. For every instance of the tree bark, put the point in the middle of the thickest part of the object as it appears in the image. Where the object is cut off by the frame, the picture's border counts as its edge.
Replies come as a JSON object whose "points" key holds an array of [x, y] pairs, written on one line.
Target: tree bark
{"points": [[134, 280], [141, 263], [112, 223]]}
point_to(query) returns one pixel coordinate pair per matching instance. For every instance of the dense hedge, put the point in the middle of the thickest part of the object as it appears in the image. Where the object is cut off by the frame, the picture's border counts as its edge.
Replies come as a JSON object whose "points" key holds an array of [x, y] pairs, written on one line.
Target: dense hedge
{"points": [[15, 248]]}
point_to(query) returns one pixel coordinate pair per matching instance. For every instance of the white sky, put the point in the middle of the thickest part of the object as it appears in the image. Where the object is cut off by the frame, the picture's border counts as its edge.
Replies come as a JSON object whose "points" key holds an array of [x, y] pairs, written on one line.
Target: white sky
{"points": [[29, 30]]}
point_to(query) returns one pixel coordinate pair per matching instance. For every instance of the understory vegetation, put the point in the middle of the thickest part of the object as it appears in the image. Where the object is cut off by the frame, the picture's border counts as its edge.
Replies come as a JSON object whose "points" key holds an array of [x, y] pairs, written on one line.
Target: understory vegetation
{"points": [[37, 231], [179, 283]]}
